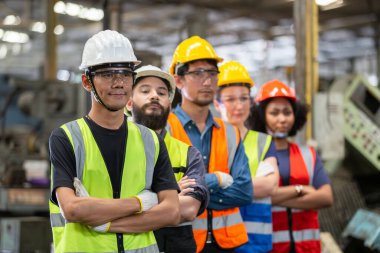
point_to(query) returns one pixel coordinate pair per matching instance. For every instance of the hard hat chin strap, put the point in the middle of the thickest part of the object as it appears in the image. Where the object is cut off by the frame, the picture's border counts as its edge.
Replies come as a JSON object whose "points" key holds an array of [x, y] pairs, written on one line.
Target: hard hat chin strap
{"points": [[96, 95]]}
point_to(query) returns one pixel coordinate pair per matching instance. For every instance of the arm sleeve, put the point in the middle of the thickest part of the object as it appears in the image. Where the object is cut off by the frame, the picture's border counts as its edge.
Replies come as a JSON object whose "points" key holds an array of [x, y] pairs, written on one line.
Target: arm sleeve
{"points": [[240, 192], [320, 176], [196, 170], [62, 160], [271, 150], [163, 176]]}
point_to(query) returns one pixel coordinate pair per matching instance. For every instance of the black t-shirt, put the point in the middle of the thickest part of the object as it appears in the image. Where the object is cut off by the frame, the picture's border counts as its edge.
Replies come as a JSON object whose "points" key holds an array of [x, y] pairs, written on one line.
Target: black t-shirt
{"points": [[112, 147]]}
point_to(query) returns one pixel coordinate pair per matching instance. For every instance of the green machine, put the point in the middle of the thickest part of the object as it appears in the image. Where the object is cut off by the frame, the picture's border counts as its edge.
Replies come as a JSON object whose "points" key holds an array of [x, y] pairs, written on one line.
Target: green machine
{"points": [[361, 112]]}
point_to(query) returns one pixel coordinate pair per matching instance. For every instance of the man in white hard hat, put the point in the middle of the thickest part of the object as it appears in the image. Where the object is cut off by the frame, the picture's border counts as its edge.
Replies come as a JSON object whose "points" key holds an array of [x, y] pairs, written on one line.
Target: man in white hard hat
{"points": [[153, 91], [112, 181]]}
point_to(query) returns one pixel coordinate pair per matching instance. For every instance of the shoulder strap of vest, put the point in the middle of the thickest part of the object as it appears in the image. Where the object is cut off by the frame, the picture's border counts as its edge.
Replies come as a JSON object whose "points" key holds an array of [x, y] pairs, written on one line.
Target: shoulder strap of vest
{"points": [[73, 130], [309, 158], [151, 151], [233, 139], [263, 142], [175, 128]]}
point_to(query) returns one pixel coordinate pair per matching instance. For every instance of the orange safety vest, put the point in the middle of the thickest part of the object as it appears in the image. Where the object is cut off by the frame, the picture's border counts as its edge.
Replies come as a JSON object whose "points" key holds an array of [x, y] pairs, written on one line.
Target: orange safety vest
{"points": [[227, 225], [305, 225]]}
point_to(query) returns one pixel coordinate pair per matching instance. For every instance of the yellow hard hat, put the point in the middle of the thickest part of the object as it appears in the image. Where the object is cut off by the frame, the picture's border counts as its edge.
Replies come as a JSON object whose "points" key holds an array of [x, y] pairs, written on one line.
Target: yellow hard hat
{"points": [[191, 49], [233, 72]]}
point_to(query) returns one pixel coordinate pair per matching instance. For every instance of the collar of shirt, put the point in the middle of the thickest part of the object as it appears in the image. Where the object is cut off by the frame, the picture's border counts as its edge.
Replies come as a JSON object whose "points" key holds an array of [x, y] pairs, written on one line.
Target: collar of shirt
{"points": [[185, 119]]}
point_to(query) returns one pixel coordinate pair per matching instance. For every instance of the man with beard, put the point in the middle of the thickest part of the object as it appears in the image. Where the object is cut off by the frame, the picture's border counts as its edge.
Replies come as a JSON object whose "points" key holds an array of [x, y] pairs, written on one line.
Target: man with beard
{"points": [[112, 182], [228, 178], [153, 91]]}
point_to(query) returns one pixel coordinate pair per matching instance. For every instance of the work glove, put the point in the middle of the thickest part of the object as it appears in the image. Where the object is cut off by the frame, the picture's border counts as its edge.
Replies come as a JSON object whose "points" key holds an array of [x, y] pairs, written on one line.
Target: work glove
{"points": [[225, 180], [147, 199], [264, 169], [80, 191]]}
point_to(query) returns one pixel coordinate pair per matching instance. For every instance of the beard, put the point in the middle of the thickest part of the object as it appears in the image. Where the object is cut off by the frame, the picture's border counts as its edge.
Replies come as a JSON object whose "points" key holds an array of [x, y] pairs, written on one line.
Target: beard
{"points": [[155, 121]]}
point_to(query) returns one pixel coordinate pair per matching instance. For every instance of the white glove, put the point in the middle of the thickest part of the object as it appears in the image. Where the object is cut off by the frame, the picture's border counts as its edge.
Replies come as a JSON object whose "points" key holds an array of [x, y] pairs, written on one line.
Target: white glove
{"points": [[264, 169], [80, 191], [225, 180], [148, 199]]}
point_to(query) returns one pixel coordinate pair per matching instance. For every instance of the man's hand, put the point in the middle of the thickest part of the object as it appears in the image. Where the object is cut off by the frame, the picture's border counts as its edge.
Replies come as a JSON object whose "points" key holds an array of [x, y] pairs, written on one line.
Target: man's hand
{"points": [[225, 180], [185, 185], [148, 199]]}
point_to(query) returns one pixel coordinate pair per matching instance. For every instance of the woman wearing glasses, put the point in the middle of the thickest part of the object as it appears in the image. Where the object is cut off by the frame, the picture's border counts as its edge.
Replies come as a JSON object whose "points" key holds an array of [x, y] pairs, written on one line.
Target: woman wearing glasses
{"points": [[233, 101]]}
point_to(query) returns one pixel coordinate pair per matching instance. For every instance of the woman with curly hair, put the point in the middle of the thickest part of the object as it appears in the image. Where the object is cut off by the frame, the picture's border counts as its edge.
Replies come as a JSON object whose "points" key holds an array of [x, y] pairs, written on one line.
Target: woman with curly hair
{"points": [[304, 186]]}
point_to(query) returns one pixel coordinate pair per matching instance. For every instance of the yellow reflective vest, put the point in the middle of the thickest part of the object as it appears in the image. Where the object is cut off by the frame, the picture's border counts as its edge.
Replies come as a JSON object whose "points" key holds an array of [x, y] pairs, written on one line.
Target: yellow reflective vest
{"points": [[141, 154]]}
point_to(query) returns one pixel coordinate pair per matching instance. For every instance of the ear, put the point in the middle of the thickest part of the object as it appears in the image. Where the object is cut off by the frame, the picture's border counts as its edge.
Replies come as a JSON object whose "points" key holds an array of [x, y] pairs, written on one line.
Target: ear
{"points": [[129, 104], [178, 81], [217, 105], [86, 83]]}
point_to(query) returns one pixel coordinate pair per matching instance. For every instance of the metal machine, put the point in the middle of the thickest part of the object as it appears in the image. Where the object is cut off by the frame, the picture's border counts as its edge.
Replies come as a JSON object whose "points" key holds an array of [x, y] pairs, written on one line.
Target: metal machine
{"points": [[362, 119], [24, 165], [347, 129]]}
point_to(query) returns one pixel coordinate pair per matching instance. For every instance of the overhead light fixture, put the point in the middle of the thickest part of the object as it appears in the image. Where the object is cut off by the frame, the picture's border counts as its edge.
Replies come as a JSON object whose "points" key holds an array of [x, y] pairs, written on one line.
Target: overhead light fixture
{"points": [[12, 20], [14, 37], [329, 4], [3, 51], [59, 29], [77, 10], [39, 27]]}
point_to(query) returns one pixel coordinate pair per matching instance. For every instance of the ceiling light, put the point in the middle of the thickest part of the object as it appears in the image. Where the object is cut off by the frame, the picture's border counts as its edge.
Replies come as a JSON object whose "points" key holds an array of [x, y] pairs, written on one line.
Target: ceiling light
{"points": [[327, 2], [39, 27], [3, 51], [79, 11], [15, 37], [11, 20], [59, 29]]}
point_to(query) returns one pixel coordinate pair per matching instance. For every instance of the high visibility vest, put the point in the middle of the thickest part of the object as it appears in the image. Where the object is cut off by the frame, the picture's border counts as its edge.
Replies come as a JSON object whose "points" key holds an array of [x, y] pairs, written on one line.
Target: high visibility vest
{"points": [[305, 225], [178, 155], [227, 225], [257, 216], [141, 154], [178, 151]]}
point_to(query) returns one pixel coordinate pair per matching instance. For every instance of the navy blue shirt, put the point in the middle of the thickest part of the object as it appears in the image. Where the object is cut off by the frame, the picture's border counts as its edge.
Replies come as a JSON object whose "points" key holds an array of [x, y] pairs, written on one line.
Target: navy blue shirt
{"points": [[240, 192]]}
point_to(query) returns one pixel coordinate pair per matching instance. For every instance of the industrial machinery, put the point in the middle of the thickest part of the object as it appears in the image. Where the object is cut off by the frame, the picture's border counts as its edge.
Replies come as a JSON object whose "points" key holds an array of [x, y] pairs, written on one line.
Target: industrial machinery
{"points": [[347, 130], [29, 111]]}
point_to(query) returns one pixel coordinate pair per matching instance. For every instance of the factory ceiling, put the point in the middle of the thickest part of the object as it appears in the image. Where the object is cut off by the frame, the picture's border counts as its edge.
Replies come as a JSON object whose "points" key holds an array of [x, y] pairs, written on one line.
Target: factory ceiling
{"points": [[347, 28]]}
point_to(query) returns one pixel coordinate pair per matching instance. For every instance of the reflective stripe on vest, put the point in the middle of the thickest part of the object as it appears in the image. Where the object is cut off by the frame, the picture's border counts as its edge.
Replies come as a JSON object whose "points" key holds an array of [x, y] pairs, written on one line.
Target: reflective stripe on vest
{"points": [[218, 222], [258, 227], [229, 230], [299, 236], [305, 225], [149, 249], [142, 151]]}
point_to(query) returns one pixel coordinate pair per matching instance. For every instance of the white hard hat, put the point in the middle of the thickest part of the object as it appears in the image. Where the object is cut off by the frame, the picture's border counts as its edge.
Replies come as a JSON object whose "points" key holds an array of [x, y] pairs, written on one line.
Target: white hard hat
{"points": [[107, 47], [150, 70]]}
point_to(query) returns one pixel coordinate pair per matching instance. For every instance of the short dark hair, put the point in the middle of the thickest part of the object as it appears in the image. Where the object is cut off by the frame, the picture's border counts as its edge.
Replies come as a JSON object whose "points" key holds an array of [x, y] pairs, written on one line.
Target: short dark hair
{"points": [[257, 122], [185, 67]]}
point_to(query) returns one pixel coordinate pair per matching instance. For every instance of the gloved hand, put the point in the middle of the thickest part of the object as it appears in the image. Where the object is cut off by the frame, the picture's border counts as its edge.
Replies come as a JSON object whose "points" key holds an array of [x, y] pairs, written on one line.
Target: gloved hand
{"points": [[80, 191], [148, 199], [225, 180], [264, 169]]}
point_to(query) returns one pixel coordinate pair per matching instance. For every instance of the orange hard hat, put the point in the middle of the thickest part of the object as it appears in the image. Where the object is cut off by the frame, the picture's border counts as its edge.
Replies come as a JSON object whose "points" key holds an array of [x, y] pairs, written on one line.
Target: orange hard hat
{"points": [[273, 89]]}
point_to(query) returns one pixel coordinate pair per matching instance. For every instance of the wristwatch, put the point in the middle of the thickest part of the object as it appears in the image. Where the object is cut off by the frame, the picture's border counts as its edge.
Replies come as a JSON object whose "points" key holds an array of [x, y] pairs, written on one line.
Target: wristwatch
{"points": [[299, 189]]}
